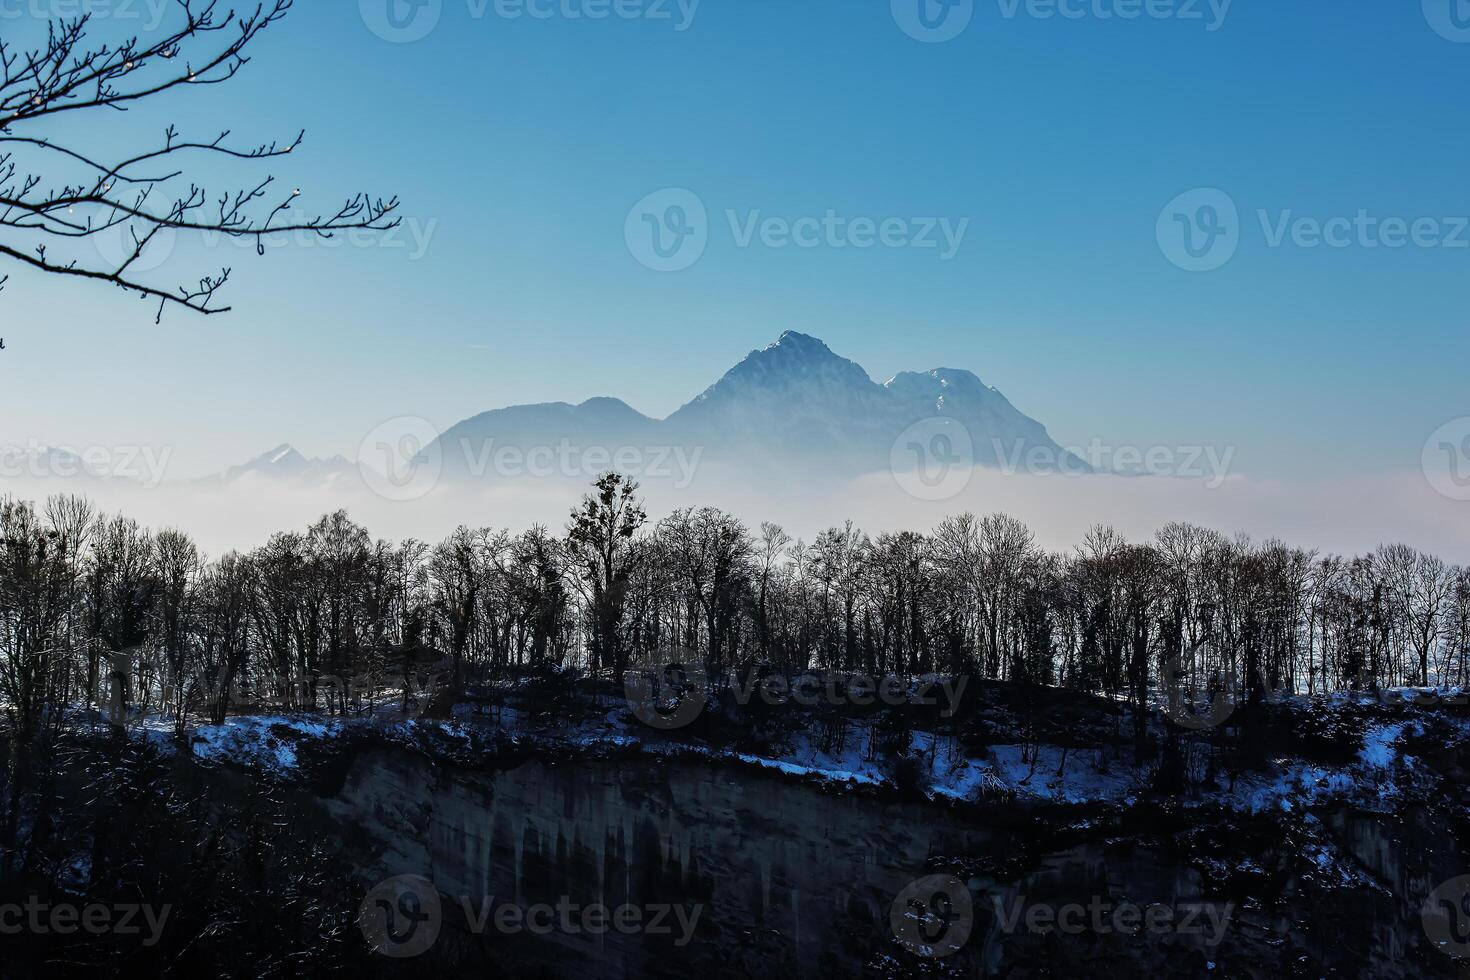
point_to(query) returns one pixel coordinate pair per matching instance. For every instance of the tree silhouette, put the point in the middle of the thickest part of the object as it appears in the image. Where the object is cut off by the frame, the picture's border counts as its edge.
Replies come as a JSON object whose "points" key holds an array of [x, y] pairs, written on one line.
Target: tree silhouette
{"points": [[54, 194]]}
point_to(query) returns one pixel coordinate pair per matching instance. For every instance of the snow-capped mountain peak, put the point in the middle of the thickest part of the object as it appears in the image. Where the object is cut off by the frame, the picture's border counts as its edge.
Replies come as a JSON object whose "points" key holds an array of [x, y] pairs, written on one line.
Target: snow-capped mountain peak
{"points": [[285, 462], [793, 402]]}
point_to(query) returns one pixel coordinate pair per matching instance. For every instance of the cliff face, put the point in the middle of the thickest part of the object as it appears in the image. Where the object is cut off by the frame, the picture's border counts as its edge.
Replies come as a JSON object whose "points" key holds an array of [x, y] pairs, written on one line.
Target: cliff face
{"points": [[790, 877], [780, 871]]}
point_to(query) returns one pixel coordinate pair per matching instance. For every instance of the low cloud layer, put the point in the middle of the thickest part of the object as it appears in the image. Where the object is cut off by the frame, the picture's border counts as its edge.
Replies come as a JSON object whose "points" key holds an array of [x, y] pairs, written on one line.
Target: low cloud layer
{"points": [[1344, 515]]}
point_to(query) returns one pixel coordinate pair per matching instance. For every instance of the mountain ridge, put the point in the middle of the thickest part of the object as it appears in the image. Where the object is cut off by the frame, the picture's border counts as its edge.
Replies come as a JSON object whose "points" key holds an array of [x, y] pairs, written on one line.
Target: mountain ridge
{"points": [[791, 402]]}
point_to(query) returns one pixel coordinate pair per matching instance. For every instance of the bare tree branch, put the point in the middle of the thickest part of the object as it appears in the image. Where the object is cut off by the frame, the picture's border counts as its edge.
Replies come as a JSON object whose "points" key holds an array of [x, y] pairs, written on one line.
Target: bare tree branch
{"points": [[66, 75]]}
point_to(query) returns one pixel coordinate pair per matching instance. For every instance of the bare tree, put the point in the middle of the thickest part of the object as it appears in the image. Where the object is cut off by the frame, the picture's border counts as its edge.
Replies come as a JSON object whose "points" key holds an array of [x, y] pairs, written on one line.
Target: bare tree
{"points": [[1421, 585], [35, 586], [56, 195], [602, 546], [179, 567], [709, 553]]}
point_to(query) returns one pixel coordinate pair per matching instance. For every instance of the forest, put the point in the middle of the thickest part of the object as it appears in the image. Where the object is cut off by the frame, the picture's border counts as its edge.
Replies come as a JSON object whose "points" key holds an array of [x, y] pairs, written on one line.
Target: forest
{"points": [[81, 592], [106, 625]]}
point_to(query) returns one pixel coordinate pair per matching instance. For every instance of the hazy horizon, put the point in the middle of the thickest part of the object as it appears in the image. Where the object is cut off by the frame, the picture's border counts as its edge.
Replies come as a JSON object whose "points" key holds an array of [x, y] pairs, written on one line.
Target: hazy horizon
{"points": [[1029, 161]]}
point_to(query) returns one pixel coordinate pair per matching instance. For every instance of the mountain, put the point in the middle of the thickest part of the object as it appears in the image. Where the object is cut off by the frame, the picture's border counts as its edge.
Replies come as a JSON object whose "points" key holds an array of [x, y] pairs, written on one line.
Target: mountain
{"points": [[793, 399], [793, 402], [796, 399], [470, 446], [285, 464], [45, 462]]}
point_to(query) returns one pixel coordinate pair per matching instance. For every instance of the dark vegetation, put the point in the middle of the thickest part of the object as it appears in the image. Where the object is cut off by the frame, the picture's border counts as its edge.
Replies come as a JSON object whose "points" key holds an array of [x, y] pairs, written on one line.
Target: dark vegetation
{"points": [[104, 624]]}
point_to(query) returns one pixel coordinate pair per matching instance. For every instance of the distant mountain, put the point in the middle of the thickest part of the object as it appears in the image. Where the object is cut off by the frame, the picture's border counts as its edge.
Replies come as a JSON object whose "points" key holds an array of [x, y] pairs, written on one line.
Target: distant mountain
{"points": [[285, 464], [606, 422], [45, 463], [791, 403]]}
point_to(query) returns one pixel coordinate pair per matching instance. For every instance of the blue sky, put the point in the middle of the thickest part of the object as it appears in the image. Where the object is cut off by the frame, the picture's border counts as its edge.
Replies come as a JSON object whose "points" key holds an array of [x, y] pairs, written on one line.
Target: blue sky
{"points": [[519, 147]]}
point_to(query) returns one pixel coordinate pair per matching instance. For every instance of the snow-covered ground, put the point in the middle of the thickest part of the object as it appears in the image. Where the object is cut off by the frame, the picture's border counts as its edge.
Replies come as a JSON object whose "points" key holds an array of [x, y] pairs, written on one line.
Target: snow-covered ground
{"points": [[1044, 773]]}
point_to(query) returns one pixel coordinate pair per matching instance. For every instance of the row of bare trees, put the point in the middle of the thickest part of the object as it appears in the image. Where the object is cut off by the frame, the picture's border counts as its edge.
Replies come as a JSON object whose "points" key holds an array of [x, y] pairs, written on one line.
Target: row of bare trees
{"points": [[976, 595], [95, 608]]}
